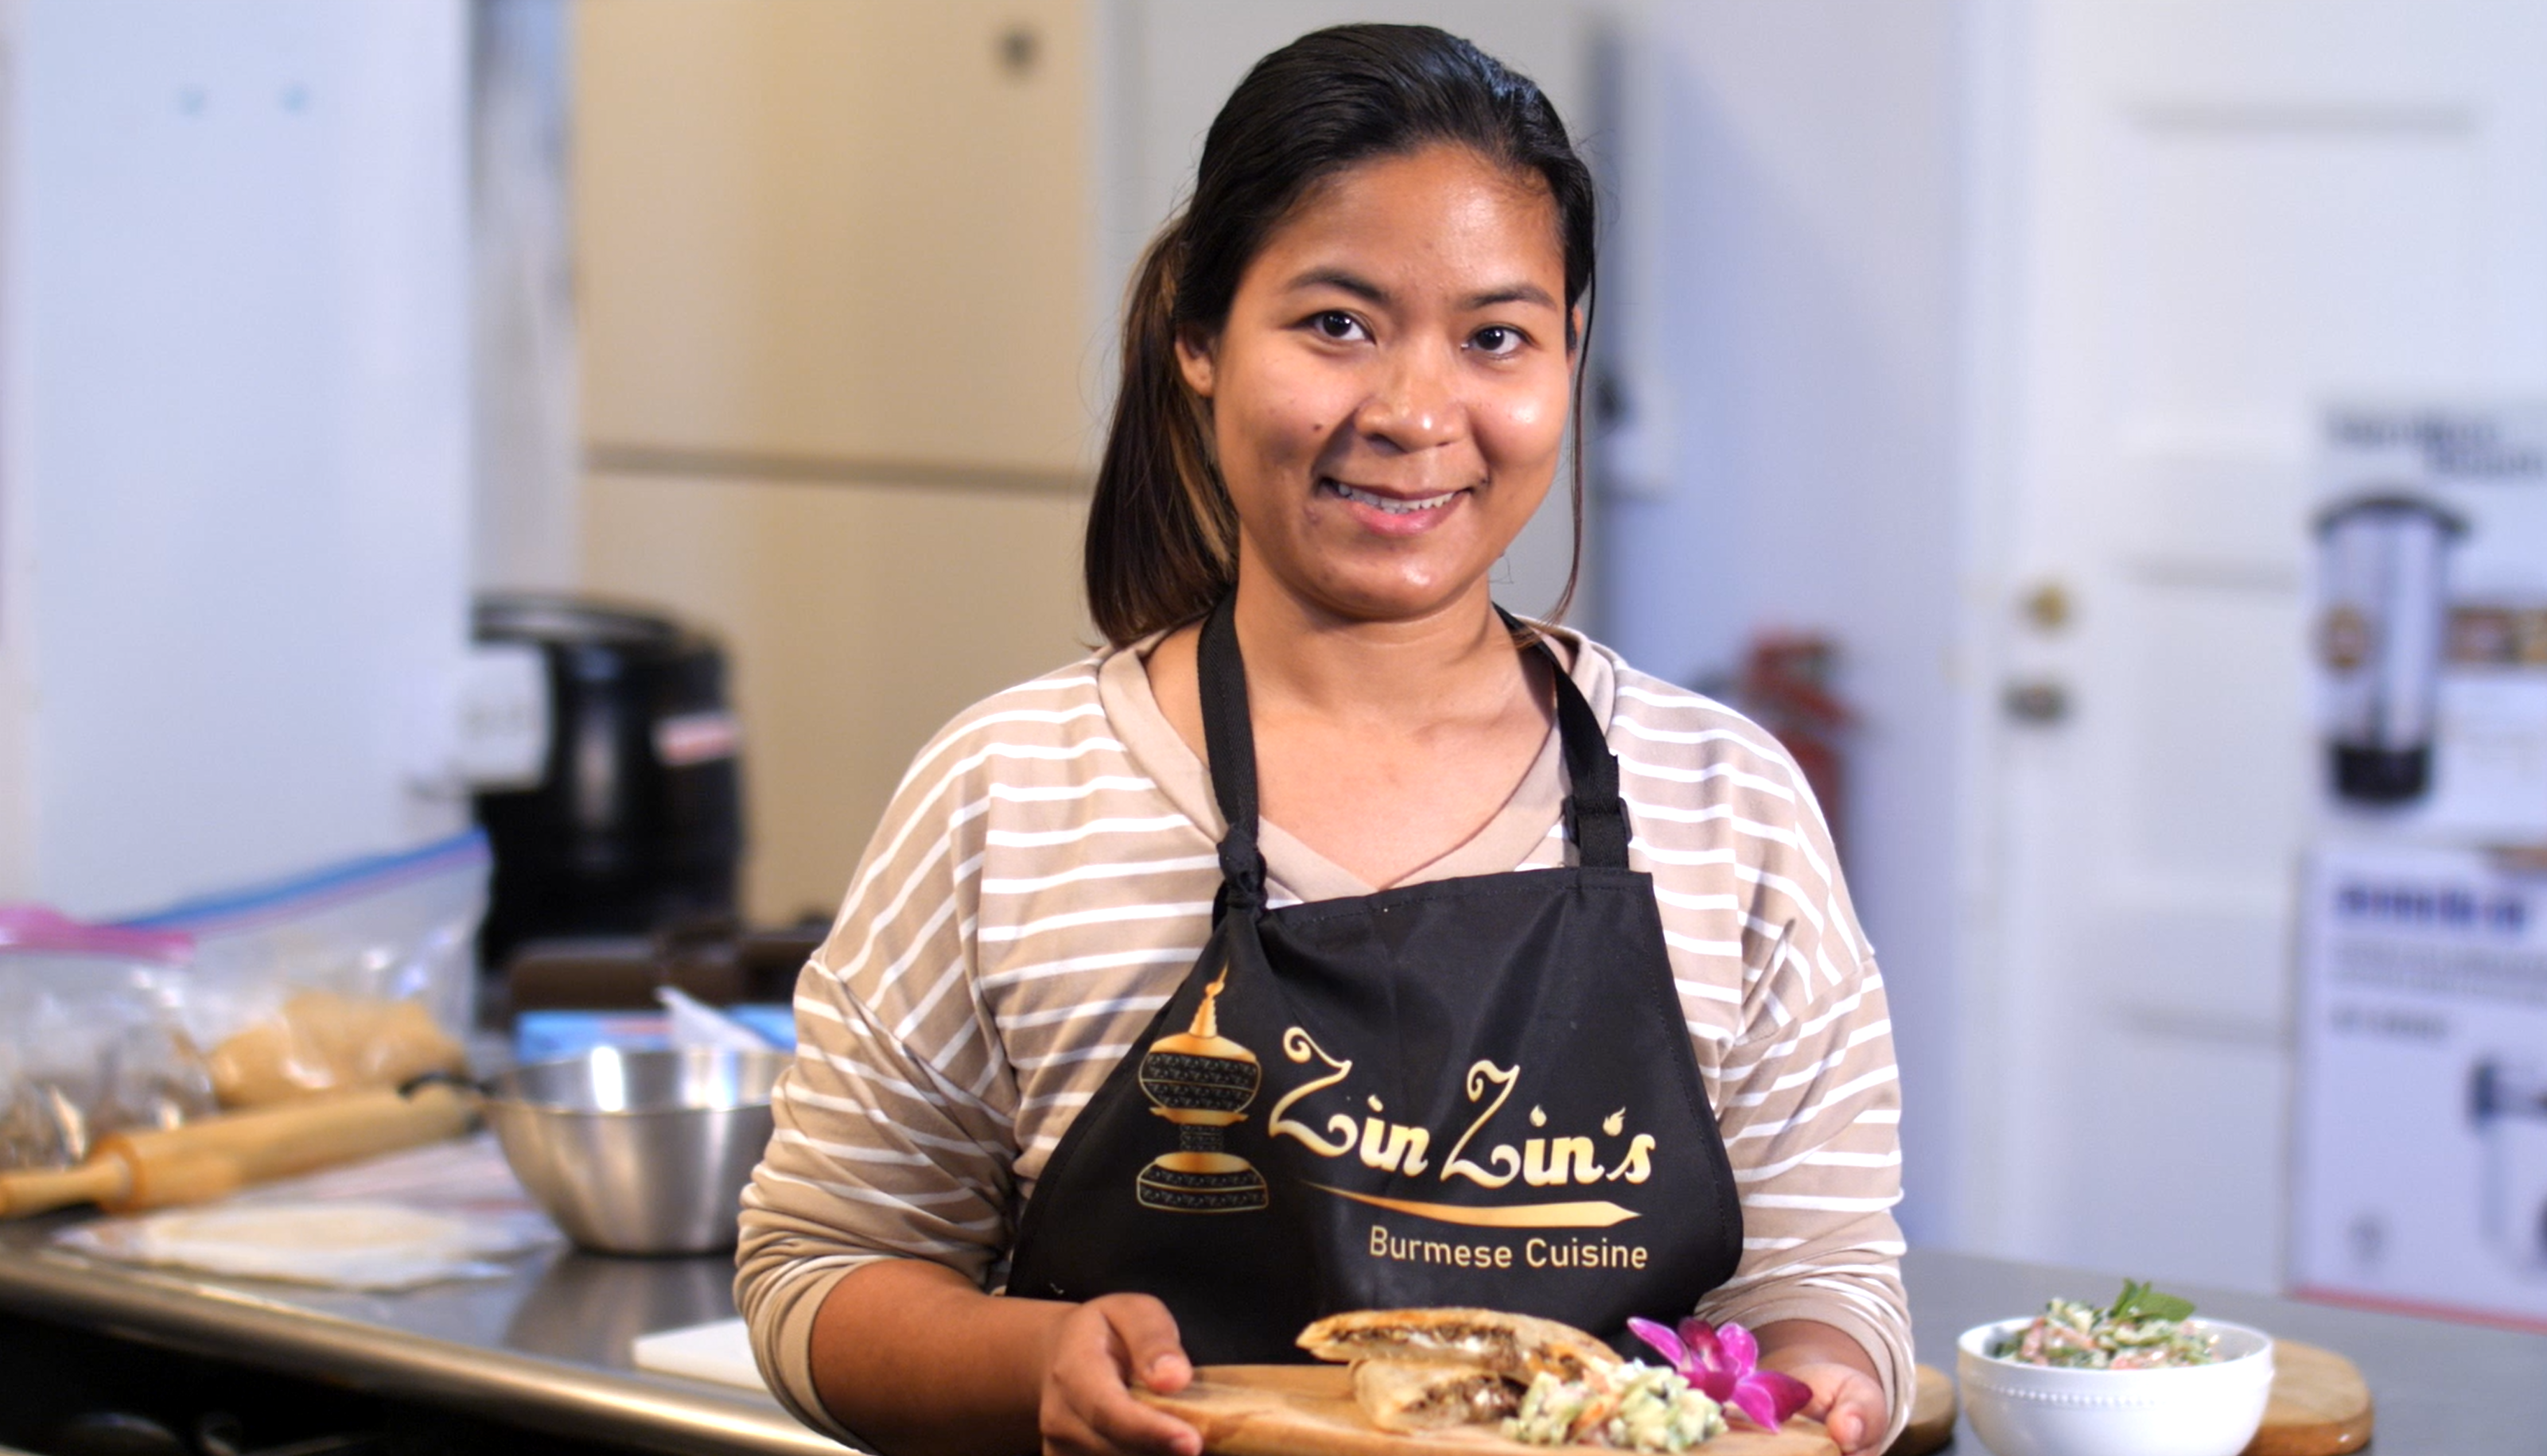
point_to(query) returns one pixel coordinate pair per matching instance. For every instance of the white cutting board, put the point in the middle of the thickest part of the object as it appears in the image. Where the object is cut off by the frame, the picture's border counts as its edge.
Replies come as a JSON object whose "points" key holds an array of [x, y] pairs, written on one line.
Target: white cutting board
{"points": [[719, 1351]]}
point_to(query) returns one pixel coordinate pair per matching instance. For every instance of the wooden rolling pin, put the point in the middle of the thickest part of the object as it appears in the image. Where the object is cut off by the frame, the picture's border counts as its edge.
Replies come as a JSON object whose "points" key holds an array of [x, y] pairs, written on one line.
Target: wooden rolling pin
{"points": [[221, 1154]]}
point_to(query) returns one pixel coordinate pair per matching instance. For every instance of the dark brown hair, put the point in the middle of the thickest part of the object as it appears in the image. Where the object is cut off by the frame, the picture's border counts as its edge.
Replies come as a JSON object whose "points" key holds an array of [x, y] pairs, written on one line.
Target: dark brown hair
{"points": [[1162, 535]]}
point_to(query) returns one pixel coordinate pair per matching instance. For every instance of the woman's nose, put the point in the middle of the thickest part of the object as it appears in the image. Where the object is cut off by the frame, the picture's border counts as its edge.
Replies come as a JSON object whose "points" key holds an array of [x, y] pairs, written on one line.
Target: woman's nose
{"points": [[1415, 403]]}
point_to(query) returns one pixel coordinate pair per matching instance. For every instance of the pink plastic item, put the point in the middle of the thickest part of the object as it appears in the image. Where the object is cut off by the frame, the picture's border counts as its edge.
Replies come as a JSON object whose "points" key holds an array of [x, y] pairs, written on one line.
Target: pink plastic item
{"points": [[38, 928]]}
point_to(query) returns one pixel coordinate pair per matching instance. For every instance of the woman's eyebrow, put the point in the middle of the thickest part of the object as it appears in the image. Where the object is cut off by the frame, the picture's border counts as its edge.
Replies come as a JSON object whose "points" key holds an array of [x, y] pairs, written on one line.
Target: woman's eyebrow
{"points": [[1335, 277], [1371, 292], [1516, 292]]}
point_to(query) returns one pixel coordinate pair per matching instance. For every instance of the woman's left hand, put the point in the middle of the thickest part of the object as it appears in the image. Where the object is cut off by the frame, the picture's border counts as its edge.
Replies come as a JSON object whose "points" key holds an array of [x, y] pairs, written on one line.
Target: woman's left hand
{"points": [[1847, 1400]]}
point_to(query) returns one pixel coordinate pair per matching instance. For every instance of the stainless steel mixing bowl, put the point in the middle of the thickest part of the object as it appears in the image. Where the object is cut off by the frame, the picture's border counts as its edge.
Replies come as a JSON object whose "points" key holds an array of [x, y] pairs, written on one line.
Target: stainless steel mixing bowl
{"points": [[638, 1152]]}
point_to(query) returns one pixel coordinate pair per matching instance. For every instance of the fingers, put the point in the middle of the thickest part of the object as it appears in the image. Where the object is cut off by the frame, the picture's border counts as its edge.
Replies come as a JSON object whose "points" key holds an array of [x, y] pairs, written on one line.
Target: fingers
{"points": [[1088, 1409], [1848, 1403], [1826, 1382], [1153, 1352], [1118, 1425], [1856, 1416], [1847, 1426], [1095, 1416]]}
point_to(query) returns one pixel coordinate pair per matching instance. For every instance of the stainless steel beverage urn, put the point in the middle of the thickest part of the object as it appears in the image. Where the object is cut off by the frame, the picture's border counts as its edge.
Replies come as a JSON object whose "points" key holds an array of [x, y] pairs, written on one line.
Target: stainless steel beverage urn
{"points": [[2383, 610]]}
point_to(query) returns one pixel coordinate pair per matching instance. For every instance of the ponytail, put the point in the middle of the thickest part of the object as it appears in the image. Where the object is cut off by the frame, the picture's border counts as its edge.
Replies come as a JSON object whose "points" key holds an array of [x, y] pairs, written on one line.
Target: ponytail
{"points": [[1162, 535]]}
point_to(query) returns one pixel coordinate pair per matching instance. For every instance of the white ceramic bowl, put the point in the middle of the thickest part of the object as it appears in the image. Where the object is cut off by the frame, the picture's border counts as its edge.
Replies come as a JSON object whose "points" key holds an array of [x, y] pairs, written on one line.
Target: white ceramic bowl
{"points": [[2190, 1410]]}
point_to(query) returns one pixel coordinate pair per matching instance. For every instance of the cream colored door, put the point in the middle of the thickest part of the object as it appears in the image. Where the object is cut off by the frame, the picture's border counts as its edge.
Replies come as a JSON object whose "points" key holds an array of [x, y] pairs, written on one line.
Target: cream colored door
{"points": [[2193, 223], [832, 264], [846, 236]]}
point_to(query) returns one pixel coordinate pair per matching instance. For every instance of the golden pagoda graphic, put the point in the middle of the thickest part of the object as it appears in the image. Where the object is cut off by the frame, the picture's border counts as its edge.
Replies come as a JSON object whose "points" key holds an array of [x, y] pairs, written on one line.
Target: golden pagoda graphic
{"points": [[1201, 1081]]}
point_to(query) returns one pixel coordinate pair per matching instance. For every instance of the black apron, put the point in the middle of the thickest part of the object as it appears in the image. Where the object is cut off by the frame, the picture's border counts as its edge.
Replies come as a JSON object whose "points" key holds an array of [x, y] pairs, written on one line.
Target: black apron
{"points": [[1474, 1091]]}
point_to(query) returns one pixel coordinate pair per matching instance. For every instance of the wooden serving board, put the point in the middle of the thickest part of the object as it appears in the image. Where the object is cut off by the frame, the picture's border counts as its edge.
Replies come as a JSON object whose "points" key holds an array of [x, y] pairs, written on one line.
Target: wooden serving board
{"points": [[1932, 1415], [1309, 1410], [2321, 1405]]}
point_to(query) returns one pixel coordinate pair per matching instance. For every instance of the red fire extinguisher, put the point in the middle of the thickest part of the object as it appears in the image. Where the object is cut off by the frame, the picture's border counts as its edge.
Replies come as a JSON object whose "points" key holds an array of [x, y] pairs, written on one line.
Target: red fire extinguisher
{"points": [[1786, 686]]}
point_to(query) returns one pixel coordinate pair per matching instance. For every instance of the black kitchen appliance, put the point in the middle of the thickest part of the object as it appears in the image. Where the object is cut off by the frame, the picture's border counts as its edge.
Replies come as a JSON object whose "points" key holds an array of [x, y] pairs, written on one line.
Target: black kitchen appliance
{"points": [[636, 821]]}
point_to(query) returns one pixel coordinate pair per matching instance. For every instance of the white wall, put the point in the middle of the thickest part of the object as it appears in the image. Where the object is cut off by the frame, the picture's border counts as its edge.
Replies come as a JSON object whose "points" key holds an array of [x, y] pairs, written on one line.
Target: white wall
{"points": [[1786, 303], [233, 457]]}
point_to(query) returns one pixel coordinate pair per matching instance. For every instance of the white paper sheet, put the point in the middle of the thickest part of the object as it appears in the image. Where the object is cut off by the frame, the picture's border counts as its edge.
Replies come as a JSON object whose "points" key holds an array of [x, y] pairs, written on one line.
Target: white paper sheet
{"points": [[719, 1351]]}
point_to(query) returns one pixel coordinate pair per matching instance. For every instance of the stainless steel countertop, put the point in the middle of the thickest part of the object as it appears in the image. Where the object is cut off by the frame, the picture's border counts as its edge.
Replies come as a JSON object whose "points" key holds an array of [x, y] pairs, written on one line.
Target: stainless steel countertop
{"points": [[548, 1347]]}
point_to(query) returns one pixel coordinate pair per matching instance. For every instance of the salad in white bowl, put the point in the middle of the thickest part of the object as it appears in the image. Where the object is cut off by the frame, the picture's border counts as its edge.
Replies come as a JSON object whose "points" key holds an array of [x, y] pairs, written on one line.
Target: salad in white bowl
{"points": [[2143, 1330], [2140, 1376]]}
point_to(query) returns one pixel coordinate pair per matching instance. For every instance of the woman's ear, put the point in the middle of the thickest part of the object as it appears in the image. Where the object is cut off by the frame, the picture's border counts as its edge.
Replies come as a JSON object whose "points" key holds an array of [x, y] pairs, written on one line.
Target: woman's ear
{"points": [[1194, 359], [1573, 330]]}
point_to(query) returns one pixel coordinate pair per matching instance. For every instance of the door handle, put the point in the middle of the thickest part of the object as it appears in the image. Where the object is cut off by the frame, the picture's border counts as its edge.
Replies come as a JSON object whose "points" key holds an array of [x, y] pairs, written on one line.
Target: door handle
{"points": [[2036, 701], [2048, 608]]}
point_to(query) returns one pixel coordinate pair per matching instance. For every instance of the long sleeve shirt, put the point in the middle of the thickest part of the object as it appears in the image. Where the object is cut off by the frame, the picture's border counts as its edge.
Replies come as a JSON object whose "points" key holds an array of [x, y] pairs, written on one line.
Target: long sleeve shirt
{"points": [[1043, 881]]}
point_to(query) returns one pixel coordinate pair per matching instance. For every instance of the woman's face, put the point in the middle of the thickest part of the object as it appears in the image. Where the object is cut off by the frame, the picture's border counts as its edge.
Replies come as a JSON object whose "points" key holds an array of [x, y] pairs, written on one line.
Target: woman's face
{"points": [[1388, 395]]}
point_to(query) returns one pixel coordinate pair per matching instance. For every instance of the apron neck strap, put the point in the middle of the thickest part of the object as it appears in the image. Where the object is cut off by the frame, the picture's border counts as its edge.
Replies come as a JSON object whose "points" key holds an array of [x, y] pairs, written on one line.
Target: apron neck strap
{"points": [[1229, 742], [1595, 818]]}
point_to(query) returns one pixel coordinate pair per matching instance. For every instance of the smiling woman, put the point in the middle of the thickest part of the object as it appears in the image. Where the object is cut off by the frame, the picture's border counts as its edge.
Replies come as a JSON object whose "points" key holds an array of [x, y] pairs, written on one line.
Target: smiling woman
{"points": [[1330, 939], [1507, 194], [1395, 366]]}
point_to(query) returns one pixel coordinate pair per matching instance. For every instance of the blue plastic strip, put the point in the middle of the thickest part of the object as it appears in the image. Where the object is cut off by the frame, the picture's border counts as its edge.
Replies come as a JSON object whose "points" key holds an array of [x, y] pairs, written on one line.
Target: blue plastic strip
{"points": [[468, 846]]}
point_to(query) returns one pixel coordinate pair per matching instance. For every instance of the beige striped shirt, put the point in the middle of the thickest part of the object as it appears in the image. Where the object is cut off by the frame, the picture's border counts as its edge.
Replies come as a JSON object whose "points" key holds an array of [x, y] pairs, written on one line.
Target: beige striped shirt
{"points": [[1043, 881]]}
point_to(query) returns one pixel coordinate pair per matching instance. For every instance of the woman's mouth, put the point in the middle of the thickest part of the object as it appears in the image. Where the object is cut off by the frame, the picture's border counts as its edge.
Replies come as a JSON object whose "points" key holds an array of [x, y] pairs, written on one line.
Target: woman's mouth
{"points": [[1390, 504]]}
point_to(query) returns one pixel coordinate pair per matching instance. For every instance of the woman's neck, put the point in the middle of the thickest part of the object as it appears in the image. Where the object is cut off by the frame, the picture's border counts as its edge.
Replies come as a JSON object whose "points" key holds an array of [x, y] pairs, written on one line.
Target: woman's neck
{"points": [[1301, 657], [1382, 746]]}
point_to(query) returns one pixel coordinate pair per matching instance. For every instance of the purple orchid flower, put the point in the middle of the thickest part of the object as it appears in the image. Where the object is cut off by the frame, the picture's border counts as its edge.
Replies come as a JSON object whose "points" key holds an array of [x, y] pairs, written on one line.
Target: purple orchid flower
{"points": [[1722, 1363]]}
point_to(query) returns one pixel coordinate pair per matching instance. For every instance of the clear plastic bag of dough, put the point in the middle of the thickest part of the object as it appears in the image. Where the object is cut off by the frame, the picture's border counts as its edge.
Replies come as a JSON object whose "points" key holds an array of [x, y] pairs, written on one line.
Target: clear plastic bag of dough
{"points": [[362, 974]]}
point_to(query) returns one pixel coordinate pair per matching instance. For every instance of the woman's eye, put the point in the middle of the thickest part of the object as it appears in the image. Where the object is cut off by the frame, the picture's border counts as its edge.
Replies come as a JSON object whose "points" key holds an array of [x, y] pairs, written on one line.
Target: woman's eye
{"points": [[1335, 324], [1496, 339]]}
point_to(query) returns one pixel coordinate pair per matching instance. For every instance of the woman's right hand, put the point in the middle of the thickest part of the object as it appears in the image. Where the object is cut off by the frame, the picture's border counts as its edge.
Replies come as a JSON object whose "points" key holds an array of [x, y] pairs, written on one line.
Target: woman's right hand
{"points": [[1094, 1356]]}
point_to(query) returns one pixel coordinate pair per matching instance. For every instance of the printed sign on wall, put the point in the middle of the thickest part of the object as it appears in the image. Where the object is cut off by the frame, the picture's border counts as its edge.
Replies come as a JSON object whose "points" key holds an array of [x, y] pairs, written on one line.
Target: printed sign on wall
{"points": [[2420, 1179]]}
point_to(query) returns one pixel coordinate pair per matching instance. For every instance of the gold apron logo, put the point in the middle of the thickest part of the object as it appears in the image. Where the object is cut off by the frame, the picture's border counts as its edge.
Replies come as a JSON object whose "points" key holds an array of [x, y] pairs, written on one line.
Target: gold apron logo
{"points": [[1201, 1081], [1539, 1162]]}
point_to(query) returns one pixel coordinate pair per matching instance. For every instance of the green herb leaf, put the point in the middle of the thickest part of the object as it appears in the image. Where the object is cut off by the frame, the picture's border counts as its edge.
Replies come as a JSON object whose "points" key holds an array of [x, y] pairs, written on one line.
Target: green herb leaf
{"points": [[2155, 1306], [2138, 1301]]}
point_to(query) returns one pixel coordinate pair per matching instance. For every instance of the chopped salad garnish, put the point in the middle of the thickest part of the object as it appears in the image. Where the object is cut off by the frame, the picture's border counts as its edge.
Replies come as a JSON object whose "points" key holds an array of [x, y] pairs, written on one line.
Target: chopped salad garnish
{"points": [[1630, 1406], [2141, 1329]]}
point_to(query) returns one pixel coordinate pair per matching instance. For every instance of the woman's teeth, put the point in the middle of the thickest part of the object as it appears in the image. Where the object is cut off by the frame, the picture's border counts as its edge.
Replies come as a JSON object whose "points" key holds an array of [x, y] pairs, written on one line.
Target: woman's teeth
{"points": [[1391, 504]]}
